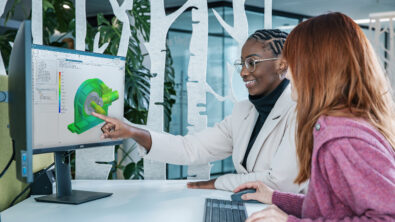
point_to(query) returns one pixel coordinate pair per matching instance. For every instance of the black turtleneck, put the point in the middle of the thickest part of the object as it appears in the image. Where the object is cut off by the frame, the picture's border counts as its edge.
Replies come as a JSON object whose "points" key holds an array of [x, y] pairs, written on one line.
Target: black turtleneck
{"points": [[263, 104]]}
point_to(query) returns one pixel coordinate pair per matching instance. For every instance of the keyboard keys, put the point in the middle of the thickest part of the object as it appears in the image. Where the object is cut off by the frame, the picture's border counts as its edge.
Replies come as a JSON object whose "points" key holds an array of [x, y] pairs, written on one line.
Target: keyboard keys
{"points": [[236, 215], [243, 217], [229, 215], [224, 210], [208, 210]]}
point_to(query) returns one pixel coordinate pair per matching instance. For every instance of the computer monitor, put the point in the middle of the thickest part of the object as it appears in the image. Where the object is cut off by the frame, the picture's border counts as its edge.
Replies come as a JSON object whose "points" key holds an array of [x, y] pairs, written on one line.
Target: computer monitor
{"points": [[52, 93]]}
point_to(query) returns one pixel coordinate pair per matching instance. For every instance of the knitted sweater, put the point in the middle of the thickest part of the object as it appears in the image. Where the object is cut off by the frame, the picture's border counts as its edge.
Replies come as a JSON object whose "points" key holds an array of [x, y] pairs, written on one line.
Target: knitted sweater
{"points": [[352, 175]]}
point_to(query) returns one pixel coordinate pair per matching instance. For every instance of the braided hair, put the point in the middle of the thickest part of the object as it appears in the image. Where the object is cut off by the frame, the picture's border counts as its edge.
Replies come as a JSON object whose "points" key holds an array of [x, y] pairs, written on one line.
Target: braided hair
{"points": [[272, 37]]}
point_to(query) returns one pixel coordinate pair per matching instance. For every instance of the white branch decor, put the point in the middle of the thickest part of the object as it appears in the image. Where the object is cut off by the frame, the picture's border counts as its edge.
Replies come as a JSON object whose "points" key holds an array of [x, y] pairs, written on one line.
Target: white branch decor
{"points": [[156, 47], [37, 21], [121, 12], [3, 3], [196, 93], [86, 166], [268, 15], [96, 47], [231, 95], [2, 67], [239, 32], [383, 23], [80, 24]]}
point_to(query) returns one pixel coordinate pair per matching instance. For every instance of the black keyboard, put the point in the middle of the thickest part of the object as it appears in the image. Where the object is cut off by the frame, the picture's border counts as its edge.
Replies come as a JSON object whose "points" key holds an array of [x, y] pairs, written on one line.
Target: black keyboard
{"points": [[224, 210]]}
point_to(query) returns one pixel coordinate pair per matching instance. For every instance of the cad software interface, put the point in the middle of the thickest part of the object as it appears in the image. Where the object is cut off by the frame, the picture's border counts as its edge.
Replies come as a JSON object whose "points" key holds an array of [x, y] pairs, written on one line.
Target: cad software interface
{"points": [[67, 87]]}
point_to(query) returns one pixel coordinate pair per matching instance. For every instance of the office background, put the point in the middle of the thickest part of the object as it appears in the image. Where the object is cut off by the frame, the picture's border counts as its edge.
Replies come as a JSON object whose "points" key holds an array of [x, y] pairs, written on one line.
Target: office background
{"points": [[222, 49]]}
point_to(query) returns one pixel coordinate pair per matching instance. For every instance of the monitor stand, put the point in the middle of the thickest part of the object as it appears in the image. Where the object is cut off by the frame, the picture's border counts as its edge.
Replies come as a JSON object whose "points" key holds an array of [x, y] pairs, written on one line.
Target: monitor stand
{"points": [[64, 194]]}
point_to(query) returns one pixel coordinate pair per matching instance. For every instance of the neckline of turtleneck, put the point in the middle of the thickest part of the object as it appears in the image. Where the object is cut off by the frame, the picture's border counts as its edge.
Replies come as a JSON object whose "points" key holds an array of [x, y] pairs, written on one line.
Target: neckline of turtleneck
{"points": [[264, 104]]}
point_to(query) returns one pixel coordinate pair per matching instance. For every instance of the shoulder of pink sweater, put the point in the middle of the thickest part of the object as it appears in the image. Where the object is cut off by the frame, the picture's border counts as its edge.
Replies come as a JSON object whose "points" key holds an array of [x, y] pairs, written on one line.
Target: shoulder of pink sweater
{"points": [[331, 128]]}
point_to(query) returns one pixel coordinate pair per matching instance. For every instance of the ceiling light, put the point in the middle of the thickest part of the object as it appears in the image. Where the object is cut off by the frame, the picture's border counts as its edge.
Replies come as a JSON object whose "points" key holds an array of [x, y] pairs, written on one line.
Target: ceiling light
{"points": [[286, 27], [381, 16], [366, 21], [362, 21]]}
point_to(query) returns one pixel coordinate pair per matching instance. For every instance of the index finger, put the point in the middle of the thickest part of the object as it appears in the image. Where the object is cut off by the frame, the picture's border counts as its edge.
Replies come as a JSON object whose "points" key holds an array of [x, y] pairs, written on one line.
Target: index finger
{"points": [[100, 116], [246, 186]]}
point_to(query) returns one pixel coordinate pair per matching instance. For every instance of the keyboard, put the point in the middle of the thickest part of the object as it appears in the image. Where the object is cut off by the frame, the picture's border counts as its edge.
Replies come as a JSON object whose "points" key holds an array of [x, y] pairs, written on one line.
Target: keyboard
{"points": [[224, 210]]}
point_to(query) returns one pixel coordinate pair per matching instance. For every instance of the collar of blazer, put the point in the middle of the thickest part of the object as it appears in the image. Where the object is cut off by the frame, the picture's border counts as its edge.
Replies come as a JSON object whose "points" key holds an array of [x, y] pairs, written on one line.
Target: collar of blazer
{"points": [[279, 111], [283, 104]]}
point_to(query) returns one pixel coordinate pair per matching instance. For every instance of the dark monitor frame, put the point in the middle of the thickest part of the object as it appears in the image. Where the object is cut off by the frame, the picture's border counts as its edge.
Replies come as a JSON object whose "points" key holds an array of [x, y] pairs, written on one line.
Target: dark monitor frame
{"points": [[21, 125]]}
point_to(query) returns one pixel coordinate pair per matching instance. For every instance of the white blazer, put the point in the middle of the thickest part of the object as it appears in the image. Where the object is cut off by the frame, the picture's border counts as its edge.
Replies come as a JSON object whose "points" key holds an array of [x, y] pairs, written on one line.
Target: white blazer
{"points": [[272, 158]]}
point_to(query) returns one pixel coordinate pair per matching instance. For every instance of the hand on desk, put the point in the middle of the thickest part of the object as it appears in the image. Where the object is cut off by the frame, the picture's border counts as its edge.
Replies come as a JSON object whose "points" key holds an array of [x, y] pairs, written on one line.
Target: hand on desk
{"points": [[202, 184], [270, 213], [263, 193]]}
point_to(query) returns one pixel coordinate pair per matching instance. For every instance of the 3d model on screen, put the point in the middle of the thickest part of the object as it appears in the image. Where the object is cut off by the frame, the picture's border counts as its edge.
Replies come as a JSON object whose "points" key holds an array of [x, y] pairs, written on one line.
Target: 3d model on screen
{"points": [[92, 95]]}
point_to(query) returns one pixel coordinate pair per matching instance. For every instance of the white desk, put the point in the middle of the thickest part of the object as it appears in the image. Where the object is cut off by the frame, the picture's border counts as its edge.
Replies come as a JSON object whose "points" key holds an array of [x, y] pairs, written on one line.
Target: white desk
{"points": [[144, 200]]}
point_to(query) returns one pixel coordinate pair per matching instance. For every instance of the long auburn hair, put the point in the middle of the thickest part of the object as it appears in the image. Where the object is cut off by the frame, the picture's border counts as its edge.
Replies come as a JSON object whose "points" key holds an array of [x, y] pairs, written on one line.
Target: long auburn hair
{"points": [[335, 72]]}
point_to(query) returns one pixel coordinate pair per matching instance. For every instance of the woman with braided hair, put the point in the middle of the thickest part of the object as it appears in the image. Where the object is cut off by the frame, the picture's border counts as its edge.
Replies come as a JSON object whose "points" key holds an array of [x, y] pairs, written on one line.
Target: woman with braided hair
{"points": [[259, 134]]}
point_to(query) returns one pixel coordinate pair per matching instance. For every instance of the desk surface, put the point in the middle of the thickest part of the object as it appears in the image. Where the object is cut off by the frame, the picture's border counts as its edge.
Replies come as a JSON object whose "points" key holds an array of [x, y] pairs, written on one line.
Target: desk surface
{"points": [[132, 200]]}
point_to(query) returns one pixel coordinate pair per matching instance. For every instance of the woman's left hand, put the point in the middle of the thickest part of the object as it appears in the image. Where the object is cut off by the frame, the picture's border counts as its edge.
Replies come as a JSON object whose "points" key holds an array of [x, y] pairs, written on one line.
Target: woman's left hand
{"points": [[202, 184], [271, 213]]}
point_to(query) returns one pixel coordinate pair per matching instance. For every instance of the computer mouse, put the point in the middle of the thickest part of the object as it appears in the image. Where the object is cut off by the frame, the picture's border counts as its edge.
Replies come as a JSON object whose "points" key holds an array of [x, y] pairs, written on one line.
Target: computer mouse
{"points": [[237, 196]]}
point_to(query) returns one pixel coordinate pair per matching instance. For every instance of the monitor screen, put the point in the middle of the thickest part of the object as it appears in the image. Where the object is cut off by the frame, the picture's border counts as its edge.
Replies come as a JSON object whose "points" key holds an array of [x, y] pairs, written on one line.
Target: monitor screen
{"points": [[67, 85]]}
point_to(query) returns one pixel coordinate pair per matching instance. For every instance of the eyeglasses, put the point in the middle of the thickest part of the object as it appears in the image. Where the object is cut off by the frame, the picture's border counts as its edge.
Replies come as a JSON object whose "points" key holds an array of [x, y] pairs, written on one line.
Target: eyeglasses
{"points": [[249, 63]]}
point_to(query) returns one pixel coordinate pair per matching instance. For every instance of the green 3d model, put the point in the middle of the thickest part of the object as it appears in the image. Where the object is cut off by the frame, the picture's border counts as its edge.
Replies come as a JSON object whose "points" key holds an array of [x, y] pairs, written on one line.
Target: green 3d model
{"points": [[92, 95]]}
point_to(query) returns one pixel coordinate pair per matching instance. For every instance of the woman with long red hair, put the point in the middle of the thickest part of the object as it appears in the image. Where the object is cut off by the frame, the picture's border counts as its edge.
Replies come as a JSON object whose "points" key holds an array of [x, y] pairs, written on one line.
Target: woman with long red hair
{"points": [[345, 137]]}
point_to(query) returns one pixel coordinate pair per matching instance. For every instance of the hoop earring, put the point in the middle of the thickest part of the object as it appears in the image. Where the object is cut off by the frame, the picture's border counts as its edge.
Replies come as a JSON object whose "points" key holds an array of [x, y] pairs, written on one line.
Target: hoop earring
{"points": [[282, 75]]}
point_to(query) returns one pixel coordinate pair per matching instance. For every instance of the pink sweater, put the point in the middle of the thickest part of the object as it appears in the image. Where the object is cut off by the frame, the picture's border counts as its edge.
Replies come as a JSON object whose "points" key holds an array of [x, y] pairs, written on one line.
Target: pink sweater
{"points": [[352, 175]]}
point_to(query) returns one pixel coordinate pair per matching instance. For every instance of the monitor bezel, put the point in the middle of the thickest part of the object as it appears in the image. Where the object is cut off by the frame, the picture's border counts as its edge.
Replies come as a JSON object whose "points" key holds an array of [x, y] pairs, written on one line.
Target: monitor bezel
{"points": [[76, 52], [82, 145], [20, 102], [75, 147]]}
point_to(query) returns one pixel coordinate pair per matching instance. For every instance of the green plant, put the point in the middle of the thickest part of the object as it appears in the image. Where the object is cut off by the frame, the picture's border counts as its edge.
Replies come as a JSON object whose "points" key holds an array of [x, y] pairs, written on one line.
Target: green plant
{"points": [[137, 77], [57, 18], [132, 170], [5, 46]]}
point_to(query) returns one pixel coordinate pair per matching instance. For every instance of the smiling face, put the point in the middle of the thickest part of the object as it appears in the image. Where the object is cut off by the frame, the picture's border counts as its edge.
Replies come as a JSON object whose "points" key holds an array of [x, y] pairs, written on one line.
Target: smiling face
{"points": [[265, 77]]}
